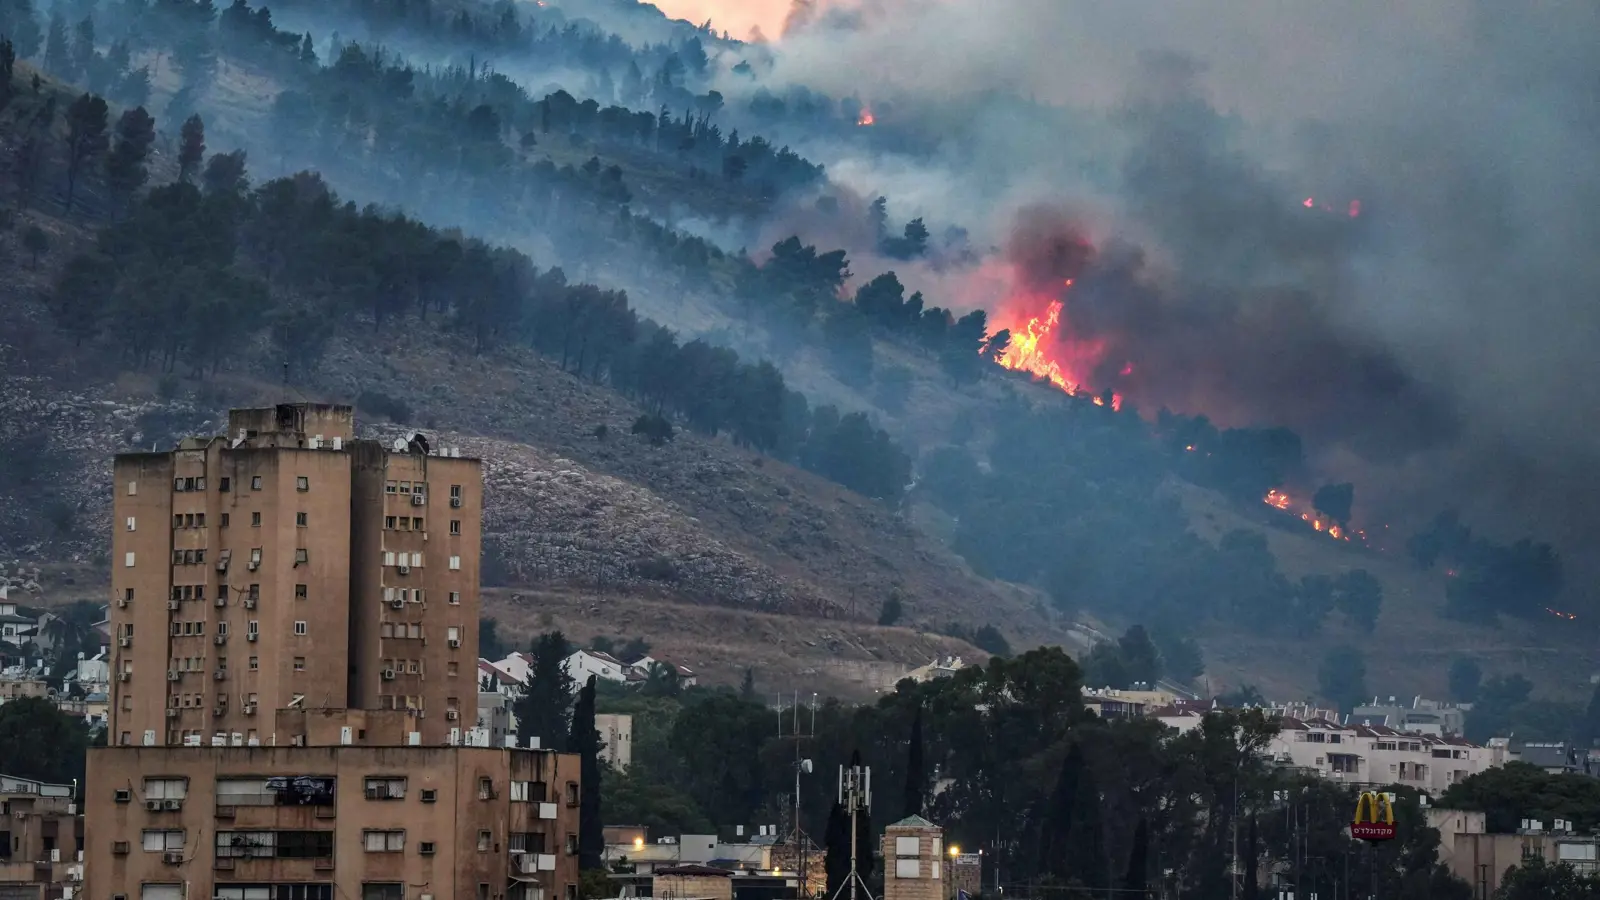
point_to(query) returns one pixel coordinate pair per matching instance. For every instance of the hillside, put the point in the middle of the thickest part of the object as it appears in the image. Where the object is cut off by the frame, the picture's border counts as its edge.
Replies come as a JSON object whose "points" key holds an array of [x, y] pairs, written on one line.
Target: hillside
{"points": [[700, 521]]}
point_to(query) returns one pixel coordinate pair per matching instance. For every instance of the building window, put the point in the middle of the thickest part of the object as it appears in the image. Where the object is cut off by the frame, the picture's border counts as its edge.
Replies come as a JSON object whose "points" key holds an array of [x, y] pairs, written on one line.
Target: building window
{"points": [[302, 483], [572, 844], [255, 519], [455, 598], [485, 789], [157, 788], [388, 523], [384, 841], [224, 484], [160, 841], [127, 595], [127, 559], [302, 556], [455, 526], [451, 669], [255, 593], [255, 482], [255, 556], [388, 558], [133, 489], [416, 523], [299, 663], [455, 563], [300, 592], [300, 519], [224, 520], [572, 793], [383, 787], [388, 487], [484, 838], [300, 627], [252, 628], [130, 523], [455, 492], [255, 663]]}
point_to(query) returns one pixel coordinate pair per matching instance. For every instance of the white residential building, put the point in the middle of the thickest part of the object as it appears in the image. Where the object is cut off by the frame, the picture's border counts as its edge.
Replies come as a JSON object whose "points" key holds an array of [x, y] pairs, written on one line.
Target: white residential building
{"points": [[616, 739], [583, 663], [686, 675]]}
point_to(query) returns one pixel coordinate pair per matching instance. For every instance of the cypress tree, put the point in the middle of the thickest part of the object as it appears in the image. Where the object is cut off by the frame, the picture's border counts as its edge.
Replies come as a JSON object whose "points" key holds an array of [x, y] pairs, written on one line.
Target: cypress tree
{"points": [[915, 779], [1138, 860], [585, 741]]}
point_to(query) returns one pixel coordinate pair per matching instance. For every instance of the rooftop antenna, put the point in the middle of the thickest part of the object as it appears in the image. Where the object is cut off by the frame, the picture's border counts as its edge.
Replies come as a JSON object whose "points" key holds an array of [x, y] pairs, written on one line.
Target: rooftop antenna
{"points": [[855, 795]]}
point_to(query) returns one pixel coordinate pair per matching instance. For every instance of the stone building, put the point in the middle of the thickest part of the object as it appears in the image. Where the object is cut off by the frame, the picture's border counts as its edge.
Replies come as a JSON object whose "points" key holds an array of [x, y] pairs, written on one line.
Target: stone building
{"points": [[913, 860]]}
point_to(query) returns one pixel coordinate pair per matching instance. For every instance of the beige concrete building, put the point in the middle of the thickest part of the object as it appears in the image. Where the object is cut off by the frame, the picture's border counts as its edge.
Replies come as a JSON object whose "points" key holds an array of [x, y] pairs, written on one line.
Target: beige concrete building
{"points": [[1481, 859], [41, 840], [913, 860], [287, 564], [326, 822], [295, 687], [692, 882], [616, 739]]}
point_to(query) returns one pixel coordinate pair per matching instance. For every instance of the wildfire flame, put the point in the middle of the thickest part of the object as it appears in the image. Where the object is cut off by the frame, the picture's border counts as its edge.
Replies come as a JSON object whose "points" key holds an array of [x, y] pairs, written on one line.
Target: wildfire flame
{"points": [[1040, 347], [1278, 499], [866, 118]]}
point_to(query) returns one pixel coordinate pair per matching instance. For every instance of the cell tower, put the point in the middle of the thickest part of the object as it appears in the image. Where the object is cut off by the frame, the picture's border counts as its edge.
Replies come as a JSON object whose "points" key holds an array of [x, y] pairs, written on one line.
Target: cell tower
{"points": [[855, 795]]}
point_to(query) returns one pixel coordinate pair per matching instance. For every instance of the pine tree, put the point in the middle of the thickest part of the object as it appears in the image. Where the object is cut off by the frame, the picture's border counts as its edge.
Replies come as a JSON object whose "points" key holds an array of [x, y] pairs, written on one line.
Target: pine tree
{"points": [[8, 62], [747, 687], [191, 148], [916, 779], [585, 741], [543, 710], [125, 169], [57, 49], [87, 137], [1252, 889]]}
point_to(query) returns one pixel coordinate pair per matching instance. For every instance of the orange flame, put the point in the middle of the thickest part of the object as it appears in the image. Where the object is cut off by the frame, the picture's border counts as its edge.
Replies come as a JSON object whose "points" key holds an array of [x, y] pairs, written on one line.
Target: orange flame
{"points": [[1042, 348], [866, 118], [1276, 498]]}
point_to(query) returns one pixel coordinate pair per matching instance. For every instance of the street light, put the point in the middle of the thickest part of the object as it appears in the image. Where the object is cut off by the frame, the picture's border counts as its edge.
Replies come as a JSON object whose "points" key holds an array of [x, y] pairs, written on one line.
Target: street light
{"points": [[955, 850]]}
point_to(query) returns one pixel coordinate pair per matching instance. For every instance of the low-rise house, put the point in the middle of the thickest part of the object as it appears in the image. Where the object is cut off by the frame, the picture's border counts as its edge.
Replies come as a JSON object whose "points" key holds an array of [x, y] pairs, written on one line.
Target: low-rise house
{"points": [[686, 675], [1481, 858], [42, 851], [583, 663], [1112, 703]]}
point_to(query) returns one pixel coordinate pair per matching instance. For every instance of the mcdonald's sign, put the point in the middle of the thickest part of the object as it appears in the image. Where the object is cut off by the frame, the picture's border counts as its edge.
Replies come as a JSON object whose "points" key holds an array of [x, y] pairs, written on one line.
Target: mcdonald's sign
{"points": [[1374, 819]]}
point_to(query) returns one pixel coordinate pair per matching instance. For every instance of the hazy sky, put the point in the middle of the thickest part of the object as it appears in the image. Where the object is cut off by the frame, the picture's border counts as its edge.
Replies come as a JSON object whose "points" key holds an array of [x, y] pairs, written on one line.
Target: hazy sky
{"points": [[737, 17]]}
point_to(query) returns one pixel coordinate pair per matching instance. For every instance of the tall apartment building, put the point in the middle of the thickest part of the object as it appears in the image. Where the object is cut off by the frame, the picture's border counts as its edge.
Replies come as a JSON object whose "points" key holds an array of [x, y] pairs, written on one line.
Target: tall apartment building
{"points": [[287, 565], [295, 684]]}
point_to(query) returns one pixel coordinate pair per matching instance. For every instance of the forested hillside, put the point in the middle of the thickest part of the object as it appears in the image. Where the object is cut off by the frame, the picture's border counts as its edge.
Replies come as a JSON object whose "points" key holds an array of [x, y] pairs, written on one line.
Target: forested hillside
{"points": [[326, 205]]}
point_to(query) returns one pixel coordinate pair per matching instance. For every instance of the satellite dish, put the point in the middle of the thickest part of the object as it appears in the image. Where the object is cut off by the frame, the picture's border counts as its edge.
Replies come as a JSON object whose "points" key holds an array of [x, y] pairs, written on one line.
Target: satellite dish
{"points": [[805, 766]]}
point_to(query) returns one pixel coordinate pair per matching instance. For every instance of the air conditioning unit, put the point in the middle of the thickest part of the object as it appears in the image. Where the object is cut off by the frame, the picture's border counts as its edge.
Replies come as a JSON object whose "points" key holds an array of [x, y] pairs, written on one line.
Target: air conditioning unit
{"points": [[125, 641], [251, 637], [122, 603], [172, 805], [418, 499], [221, 639], [153, 805], [454, 643], [219, 711], [221, 674], [172, 713], [249, 709], [249, 603], [404, 569], [388, 674], [455, 502], [253, 565], [173, 674], [222, 564], [398, 603], [221, 601], [451, 715], [124, 676], [172, 605], [172, 857]]}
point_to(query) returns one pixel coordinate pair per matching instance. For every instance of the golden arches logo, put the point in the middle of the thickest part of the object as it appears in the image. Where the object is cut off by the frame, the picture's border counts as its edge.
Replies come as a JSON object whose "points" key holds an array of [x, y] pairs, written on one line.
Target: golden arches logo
{"points": [[1374, 819]]}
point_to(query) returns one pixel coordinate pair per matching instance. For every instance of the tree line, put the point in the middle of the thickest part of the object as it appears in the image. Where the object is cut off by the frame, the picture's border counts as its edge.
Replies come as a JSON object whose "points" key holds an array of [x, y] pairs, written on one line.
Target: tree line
{"points": [[1008, 760], [194, 268]]}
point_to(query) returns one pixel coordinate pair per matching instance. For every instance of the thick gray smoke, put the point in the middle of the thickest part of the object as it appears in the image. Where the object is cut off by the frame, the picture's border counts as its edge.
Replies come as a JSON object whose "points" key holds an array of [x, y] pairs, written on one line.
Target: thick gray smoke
{"points": [[1439, 346]]}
